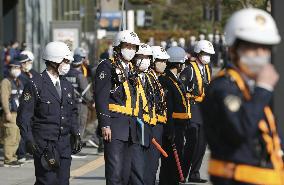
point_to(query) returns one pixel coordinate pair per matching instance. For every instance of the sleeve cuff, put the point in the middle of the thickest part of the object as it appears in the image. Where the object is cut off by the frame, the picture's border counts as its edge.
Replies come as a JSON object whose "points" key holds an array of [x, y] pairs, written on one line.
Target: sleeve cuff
{"points": [[265, 86]]}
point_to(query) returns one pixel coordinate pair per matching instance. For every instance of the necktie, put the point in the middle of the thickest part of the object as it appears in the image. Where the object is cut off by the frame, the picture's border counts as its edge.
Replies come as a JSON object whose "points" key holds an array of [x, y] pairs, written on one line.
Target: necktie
{"points": [[205, 76], [127, 70], [58, 88]]}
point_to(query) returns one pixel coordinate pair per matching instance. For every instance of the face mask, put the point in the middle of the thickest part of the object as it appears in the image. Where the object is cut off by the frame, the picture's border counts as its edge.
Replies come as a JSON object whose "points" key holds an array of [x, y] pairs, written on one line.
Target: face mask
{"points": [[63, 69], [128, 54], [205, 59], [15, 72], [28, 67], [254, 63], [160, 67], [143, 64]]}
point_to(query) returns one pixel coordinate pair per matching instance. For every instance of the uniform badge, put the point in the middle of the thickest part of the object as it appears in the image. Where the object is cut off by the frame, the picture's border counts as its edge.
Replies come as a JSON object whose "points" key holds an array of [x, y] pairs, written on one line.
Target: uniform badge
{"points": [[102, 75], [69, 95], [233, 103], [183, 78], [27, 96]]}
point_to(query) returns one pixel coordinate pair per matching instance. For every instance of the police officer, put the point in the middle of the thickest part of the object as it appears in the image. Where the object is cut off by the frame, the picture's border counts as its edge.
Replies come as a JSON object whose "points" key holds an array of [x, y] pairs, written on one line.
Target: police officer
{"points": [[26, 60], [83, 96], [11, 90], [178, 115], [48, 118], [145, 111], [240, 126], [27, 66], [115, 98], [158, 67], [86, 69], [196, 78]]}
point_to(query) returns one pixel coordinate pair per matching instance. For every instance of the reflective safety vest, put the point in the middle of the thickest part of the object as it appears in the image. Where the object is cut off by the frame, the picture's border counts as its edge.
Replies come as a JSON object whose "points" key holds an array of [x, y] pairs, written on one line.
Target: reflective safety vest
{"points": [[17, 88], [252, 174], [148, 112], [128, 108], [84, 70], [200, 82], [161, 114], [185, 102]]}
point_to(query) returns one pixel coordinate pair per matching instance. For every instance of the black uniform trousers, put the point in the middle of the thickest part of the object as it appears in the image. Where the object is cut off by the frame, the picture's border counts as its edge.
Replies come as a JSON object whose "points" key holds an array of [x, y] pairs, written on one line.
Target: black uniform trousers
{"points": [[124, 159], [194, 150], [59, 176], [168, 171], [152, 157]]}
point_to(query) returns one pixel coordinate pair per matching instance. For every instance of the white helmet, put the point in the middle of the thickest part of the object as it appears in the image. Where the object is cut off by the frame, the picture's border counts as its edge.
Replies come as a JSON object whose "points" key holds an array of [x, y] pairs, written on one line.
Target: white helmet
{"points": [[127, 37], [29, 54], [160, 53], [201, 37], [144, 49], [205, 46], [210, 37], [57, 51], [177, 54], [252, 25]]}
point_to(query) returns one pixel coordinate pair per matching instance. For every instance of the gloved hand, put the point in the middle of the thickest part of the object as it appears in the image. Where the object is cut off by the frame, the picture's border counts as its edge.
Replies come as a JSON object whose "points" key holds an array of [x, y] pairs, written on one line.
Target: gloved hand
{"points": [[31, 147], [76, 143]]}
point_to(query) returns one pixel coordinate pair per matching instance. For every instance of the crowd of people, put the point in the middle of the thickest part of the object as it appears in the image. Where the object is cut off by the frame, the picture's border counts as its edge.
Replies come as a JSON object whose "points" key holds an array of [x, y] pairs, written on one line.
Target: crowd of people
{"points": [[157, 108]]}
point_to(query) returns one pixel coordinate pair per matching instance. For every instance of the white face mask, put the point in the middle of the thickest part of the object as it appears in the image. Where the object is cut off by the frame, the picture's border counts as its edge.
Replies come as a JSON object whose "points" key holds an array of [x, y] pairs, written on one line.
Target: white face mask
{"points": [[63, 69], [15, 73], [128, 54], [205, 59], [254, 63], [160, 67], [143, 64], [28, 67]]}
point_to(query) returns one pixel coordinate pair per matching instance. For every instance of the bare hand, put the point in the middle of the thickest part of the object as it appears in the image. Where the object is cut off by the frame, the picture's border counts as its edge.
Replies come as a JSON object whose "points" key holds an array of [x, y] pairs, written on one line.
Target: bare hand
{"points": [[9, 116], [106, 132], [268, 76]]}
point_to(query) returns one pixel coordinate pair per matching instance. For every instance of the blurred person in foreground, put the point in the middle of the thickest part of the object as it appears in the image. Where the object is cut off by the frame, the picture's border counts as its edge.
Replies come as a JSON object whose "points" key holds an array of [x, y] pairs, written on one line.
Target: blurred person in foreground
{"points": [[239, 124]]}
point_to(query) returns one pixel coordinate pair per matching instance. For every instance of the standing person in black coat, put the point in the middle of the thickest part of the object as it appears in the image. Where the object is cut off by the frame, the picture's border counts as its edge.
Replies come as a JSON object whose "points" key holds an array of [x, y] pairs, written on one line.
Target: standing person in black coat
{"points": [[196, 77], [178, 115]]}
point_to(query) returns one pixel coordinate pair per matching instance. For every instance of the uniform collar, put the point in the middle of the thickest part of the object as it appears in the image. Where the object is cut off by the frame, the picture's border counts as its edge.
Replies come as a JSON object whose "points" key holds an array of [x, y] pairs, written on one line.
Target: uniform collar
{"points": [[53, 78]]}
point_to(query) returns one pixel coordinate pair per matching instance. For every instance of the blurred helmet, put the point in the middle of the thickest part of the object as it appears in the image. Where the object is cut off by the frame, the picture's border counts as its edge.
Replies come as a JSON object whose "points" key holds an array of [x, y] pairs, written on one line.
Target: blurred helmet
{"points": [[177, 54], [81, 52], [56, 51], [15, 63], [78, 60], [192, 38], [144, 49], [205, 46], [210, 37], [127, 37], [174, 43], [160, 53], [29, 54], [164, 44], [252, 25], [201, 37], [23, 58]]}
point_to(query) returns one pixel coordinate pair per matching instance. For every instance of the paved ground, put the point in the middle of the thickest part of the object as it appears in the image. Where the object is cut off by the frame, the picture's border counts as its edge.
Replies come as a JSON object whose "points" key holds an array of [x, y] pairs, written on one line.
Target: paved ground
{"points": [[87, 171]]}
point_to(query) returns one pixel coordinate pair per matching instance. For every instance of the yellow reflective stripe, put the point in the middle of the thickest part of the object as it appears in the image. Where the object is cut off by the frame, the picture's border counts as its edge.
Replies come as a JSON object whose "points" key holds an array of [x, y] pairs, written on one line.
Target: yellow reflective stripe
{"points": [[127, 109], [161, 119], [85, 71], [185, 103], [208, 73], [178, 115], [245, 173], [198, 76]]}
